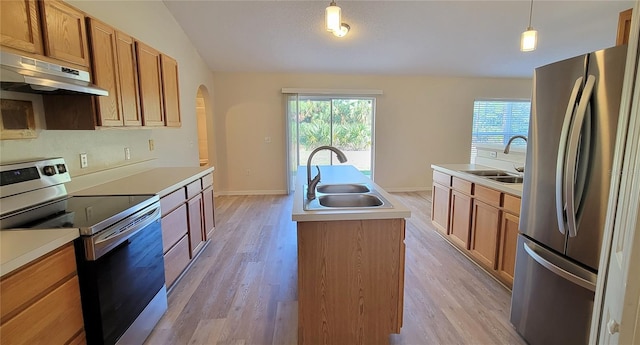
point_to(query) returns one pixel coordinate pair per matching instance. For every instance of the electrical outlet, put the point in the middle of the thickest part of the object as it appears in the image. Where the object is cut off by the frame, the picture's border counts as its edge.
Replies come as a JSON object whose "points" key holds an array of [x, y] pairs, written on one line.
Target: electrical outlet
{"points": [[267, 140], [248, 172], [127, 154], [84, 162], [152, 145], [493, 154]]}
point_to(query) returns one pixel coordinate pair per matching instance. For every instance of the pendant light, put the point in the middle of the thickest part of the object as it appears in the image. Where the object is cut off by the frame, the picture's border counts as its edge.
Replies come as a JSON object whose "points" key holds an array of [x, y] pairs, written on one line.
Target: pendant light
{"points": [[343, 31], [529, 38], [333, 17]]}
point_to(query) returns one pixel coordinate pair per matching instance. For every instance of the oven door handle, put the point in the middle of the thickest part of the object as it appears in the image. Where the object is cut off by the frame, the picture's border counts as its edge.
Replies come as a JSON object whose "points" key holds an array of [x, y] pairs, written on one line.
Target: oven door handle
{"points": [[120, 232]]}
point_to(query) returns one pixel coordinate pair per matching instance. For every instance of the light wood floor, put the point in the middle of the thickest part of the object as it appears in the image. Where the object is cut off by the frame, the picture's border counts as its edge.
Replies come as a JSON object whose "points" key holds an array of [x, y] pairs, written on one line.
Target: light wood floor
{"points": [[242, 289]]}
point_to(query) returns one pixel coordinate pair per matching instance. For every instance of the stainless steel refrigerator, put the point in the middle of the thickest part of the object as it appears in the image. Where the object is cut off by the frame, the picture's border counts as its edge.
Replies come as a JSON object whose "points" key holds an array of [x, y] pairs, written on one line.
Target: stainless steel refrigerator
{"points": [[572, 133]]}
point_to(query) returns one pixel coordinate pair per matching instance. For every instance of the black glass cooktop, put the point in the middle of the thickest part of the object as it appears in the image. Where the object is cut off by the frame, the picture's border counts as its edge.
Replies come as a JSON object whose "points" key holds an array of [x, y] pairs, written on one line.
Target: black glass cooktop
{"points": [[83, 212]]}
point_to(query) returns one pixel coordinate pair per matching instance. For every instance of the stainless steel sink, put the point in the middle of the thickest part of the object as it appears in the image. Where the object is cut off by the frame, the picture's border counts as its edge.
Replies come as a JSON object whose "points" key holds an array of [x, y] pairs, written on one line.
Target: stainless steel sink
{"points": [[506, 179], [342, 188], [484, 173], [350, 200]]}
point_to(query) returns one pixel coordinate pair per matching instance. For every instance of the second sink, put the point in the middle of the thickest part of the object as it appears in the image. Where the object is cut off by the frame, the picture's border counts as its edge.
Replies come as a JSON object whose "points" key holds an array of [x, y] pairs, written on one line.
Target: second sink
{"points": [[342, 188]]}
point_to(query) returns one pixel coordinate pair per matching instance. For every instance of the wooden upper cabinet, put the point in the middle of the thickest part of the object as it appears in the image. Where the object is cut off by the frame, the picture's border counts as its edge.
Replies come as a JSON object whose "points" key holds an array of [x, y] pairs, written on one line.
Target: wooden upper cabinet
{"points": [[128, 73], [170, 91], [150, 79], [114, 69], [64, 32], [20, 26], [624, 27], [105, 72]]}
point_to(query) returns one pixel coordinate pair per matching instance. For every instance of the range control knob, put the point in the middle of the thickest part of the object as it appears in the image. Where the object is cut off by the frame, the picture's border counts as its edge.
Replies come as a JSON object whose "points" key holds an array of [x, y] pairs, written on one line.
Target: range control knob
{"points": [[49, 170], [61, 168]]}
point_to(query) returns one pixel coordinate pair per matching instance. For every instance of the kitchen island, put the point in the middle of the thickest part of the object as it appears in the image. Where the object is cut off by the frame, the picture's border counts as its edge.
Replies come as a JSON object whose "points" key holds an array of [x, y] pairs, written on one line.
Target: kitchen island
{"points": [[350, 265]]}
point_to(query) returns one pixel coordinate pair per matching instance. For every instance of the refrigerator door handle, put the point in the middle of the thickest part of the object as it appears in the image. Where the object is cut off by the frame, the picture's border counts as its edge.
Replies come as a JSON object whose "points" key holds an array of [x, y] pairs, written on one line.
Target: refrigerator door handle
{"points": [[591, 286], [572, 154], [564, 137]]}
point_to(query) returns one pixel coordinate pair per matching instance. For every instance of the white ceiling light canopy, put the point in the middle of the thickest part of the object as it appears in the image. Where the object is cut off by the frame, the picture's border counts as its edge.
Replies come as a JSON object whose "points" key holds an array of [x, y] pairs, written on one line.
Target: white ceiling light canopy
{"points": [[529, 38]]}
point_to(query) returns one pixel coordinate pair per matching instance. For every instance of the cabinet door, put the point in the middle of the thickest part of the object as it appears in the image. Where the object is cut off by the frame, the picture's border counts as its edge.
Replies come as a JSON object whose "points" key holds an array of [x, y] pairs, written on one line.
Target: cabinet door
{"points": [[170, 91], [149, 77], [508, 244], [440, 208], [484, 233], [105, 72], [460, 219], [128, 82], [64, 32], [20, 25], [624, 27], [196, 240], [208, 209]]}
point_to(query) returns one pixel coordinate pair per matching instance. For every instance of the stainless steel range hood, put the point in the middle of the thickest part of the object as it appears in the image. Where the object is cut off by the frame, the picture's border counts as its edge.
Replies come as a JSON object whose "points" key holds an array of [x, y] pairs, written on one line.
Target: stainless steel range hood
{"points": [[24, 74]]}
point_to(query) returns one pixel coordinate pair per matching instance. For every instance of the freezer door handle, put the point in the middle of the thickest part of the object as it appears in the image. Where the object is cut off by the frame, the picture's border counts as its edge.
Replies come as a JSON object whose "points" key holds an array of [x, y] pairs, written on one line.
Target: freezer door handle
{"points": [[562, 154], [538, 257], [572, 155]]}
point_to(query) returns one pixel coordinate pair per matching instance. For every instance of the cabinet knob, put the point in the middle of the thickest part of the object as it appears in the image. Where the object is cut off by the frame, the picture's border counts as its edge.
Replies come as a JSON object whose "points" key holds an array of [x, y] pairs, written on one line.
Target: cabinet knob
{"points": [[613, 327]]}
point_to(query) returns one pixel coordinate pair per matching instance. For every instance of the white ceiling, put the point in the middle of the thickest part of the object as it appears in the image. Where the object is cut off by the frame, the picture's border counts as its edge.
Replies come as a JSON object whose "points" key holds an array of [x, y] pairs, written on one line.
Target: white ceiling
{"points": [[443, 38]]}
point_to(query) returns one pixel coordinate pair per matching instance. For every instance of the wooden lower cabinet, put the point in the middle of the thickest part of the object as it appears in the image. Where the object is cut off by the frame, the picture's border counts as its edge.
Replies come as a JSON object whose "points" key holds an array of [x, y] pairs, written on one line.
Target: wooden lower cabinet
{"points": [[196, 234], [459, 228], [441, 197], [507, 252], [483, 223], [484, 233], [41, 302], [187, 224], [350, 281]]}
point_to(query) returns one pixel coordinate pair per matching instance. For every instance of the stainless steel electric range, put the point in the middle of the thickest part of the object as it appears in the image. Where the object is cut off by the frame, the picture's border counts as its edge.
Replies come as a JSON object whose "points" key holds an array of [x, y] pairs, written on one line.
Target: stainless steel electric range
{"points": [[118, 253]]}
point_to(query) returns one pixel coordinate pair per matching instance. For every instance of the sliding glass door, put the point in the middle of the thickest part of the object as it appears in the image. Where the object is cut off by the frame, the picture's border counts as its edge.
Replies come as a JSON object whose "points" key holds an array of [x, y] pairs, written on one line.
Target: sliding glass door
{"points": [[342, 122]]}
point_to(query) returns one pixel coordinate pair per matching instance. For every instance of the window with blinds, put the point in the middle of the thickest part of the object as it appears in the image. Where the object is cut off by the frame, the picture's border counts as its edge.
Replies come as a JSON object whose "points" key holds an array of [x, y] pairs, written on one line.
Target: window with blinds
{"points": [[495, 121]]}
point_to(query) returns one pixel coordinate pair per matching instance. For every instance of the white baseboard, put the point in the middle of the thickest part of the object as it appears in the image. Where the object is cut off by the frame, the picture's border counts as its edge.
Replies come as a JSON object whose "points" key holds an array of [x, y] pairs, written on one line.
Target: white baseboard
{"points": [[252, 192]]}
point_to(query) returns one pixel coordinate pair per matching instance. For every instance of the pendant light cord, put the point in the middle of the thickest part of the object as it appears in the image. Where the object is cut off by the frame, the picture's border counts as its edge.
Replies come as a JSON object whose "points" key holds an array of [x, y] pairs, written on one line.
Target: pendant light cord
{"points": [[530, 13]]}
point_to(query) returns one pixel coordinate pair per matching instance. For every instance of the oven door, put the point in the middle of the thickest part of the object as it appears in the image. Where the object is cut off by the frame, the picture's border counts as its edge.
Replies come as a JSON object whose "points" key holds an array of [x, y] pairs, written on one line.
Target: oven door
{"points": [[120, 281]]}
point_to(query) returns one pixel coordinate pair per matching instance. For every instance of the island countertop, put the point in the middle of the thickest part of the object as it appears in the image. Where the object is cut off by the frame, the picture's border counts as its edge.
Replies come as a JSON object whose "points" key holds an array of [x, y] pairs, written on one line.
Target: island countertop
{"points": [[343, 174]]}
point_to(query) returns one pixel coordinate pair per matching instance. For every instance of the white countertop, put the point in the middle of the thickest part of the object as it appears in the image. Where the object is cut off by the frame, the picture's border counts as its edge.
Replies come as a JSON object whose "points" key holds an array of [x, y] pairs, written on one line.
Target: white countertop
{"points": [[458, 170], [159, 181], [20, 247], [342, 174]]}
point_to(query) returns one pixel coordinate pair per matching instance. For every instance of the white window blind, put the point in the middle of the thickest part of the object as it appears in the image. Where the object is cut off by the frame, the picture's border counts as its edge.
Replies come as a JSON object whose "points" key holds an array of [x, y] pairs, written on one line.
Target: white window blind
{"points": [[495, 121]]}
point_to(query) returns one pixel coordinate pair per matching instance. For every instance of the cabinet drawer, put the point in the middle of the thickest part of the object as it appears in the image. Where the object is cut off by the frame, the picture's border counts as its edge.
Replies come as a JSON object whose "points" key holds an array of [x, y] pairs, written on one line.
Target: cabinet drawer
{"points": [[462, 185], [54, 319], [34, 280], [175, 260], [488, 195], [512, 204], [442, 178], [194, 188], [207, 180], [173, 200], [174, 226]]}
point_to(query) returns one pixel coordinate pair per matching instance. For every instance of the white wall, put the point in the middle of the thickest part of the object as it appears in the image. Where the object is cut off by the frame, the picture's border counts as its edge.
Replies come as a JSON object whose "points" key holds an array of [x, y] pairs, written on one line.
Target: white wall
{"points": [[420, 120], [150, 22]]}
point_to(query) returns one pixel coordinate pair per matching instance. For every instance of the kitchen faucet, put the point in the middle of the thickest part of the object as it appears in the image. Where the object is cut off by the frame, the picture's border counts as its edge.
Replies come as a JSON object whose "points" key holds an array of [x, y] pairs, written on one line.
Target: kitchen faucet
{"points": [[312, 183], [506, 149]]}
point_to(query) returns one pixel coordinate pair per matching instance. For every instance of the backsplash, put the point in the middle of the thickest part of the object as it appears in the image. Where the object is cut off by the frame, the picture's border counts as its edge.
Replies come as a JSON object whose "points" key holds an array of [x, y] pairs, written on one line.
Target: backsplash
{"points": [[494, 156]]}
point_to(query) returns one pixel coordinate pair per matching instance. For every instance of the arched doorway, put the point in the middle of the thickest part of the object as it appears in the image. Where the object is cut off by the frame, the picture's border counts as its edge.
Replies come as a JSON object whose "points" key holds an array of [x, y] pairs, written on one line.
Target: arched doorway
{"points": [[202, 103]]}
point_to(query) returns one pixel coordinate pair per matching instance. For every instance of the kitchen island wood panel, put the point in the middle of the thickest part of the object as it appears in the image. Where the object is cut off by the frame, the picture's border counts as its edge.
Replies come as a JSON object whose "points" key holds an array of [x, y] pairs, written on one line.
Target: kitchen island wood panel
{"points": [[350, 281]]}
